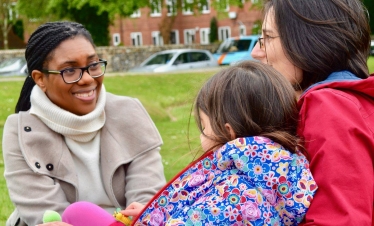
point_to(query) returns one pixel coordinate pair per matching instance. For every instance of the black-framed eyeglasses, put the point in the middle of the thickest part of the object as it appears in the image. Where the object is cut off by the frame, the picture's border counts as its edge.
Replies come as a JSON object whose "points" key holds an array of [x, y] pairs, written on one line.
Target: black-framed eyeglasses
{"points": [[74, 74], [262, 41]]}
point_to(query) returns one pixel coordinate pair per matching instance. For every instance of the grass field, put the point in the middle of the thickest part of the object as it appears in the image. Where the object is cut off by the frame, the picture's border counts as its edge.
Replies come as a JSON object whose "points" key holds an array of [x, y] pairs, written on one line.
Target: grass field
{"points": [[168, 99]]}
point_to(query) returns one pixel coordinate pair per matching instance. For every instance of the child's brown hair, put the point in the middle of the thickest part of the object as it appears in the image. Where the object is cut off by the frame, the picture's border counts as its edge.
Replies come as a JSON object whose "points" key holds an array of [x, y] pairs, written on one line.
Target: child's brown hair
{"points": [[254, 99]]}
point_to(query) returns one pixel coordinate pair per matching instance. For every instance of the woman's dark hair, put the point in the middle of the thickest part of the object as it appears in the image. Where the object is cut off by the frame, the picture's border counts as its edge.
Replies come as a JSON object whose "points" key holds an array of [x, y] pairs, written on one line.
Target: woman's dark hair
{"points": [[39, 51], [254, 99], [323, 36]]}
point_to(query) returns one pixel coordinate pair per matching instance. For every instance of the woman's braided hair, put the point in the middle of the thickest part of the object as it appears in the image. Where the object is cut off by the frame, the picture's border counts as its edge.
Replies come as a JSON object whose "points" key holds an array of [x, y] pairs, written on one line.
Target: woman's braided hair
{"points": [[40, 48]]}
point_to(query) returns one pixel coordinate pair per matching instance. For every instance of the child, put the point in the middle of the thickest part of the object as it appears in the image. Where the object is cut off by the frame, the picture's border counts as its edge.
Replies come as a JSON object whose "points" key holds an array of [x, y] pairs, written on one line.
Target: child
{"points": [[252, 172]]}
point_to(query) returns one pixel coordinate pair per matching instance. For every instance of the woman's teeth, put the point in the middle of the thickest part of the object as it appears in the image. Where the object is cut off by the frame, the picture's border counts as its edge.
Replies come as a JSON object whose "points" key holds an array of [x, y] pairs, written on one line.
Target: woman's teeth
{"points": [[84, 94]]}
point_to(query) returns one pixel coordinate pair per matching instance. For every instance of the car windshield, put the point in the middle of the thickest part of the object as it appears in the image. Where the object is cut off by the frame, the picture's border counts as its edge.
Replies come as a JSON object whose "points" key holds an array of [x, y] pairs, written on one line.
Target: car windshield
{"points": [[160, 59], [8, 62], [231, 45]]}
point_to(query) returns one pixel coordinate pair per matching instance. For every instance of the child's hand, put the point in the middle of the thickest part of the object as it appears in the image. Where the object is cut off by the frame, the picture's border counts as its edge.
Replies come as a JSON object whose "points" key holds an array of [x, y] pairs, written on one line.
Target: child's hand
{"points": [[133, 209]]}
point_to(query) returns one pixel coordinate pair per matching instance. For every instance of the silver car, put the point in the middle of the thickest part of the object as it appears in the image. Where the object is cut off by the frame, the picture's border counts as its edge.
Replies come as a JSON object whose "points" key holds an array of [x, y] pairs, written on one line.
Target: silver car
{"points": [[177, 59], [13, 67]]}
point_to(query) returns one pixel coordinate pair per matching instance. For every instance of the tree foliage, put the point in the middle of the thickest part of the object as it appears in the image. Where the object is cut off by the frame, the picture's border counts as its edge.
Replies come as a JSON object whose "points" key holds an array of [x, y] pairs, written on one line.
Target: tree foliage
{"points": [[96, 15], [7, 18], [213, 35], [18, 28], [370, 7]]}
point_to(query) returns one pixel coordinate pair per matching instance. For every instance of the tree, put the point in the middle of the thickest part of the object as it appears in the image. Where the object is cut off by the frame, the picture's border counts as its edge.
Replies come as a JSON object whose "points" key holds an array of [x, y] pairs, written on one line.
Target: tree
{"points": [[213, 35], [7, 18], [82, 11], [99, 28], [18, 28], [370, 7]]}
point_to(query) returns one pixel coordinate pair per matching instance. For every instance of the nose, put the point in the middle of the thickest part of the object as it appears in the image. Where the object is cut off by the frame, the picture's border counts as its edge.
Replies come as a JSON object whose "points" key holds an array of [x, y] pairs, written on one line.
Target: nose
{"points": [[86, 78], [257, 53]]}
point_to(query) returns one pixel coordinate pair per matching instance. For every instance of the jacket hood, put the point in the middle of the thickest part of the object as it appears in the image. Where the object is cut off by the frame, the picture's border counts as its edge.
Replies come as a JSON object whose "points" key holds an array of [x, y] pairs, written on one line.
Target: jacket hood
{"points": [[345, 80]]}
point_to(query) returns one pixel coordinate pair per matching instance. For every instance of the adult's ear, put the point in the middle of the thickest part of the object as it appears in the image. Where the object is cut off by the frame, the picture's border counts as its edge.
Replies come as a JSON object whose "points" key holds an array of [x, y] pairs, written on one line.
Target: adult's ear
{"points": [[39, 79], [231, 131]]}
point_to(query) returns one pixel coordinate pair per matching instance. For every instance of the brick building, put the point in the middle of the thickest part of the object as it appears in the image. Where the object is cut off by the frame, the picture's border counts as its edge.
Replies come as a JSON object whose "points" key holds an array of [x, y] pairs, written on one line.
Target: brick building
{"points": [[187, 26]]}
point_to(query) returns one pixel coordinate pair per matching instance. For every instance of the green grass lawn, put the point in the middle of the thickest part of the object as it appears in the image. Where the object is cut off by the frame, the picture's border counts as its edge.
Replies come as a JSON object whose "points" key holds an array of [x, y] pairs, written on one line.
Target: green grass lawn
{"points": [[167, 97], [371, 64]]}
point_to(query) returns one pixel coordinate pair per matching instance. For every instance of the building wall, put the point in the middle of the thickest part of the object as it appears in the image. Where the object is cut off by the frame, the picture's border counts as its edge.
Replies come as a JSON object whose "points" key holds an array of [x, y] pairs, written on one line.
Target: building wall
{"points": [[147, 23]]}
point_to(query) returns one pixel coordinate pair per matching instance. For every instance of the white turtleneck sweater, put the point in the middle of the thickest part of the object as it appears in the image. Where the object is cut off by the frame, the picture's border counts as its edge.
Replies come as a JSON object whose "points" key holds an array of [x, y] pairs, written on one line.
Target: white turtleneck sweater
{"points": [[82, 136]]}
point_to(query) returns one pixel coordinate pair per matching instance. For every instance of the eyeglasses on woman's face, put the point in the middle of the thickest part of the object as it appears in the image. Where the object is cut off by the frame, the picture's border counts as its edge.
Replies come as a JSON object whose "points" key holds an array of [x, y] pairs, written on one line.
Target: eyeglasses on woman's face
{"points": [[74, 74], [262, 40]]}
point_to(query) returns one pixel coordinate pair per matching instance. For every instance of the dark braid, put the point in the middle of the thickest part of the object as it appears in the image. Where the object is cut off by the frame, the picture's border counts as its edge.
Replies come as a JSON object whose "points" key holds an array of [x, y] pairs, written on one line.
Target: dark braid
{"points": [[40, 48]]}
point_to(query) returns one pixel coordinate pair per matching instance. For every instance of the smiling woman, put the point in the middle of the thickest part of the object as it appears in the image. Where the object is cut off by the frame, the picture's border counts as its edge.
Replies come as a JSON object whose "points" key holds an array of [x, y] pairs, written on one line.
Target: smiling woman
{"points": [[72, 141]]}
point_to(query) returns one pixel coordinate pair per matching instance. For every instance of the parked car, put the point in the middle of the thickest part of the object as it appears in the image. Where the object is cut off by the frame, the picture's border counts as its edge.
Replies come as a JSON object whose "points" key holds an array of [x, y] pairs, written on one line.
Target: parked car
{"points": [[235, 49], [13, 67], [372, 48], [177, 59]]}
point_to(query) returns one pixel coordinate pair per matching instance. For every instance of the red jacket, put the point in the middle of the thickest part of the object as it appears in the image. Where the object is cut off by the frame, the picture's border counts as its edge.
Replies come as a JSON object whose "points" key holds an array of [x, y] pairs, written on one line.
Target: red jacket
{"points": [[337, 125]]}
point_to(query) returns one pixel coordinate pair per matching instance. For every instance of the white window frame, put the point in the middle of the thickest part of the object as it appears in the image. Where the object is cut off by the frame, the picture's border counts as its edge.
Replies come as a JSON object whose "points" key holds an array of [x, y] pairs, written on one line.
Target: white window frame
{"points": [[157, 5], [171, 4], [136, 14], [190, 9], [116, 39], [204, 38], [157, 39], [187, 33], [137, 36], [176, 36], [242, 27], [205, 9], [220, 33]]}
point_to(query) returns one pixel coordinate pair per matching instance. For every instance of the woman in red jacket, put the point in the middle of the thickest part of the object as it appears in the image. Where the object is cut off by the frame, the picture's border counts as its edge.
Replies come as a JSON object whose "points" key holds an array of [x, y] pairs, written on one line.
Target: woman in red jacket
{"points": [[322, 46]]}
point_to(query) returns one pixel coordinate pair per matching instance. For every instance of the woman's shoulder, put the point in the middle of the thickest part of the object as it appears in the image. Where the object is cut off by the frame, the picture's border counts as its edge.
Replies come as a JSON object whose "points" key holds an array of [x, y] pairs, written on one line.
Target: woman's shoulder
{"points": [[20, 119], [123, 103], [127, 112]]}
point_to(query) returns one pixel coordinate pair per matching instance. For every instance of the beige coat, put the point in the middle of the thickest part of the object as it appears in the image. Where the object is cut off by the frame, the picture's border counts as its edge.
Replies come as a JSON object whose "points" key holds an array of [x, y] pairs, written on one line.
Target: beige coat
{"points": [[40, 172]]}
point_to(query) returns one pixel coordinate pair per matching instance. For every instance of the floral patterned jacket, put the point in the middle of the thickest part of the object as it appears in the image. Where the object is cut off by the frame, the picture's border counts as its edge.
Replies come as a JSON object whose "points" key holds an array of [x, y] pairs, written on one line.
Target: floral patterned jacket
{"points": [[248, 181]]}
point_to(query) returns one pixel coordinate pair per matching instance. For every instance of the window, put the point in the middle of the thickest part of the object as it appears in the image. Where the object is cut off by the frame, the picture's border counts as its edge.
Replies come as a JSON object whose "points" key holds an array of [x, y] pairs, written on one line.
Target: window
{"points": [[205, 6], [191, 57], [116, 39], [204, 35], [160, 59], [182, 59], [157, 39], [189, 36], [171, 6], [174, 37], [231, 45], [242, 30], [135, 14], [224, 33], [187, 7], [136, 38], [12, 10], [198, 57], [155, 8]]}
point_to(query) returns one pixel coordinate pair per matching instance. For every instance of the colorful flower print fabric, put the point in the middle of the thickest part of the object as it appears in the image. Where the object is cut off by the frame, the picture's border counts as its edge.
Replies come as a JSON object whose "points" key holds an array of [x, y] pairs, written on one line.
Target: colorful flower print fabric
{"points": [[248, 181]]}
